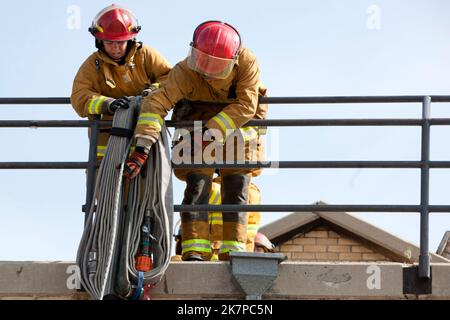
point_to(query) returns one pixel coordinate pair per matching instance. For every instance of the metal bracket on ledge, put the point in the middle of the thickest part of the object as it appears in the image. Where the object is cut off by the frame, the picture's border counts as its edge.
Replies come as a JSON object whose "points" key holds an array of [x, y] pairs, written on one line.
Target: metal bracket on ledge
{"points": [[255, 272]]}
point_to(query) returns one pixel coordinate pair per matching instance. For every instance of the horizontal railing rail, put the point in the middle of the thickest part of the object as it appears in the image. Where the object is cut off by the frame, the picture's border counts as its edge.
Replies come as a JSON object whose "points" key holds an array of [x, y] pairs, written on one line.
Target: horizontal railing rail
{"points": [[269, 100]]}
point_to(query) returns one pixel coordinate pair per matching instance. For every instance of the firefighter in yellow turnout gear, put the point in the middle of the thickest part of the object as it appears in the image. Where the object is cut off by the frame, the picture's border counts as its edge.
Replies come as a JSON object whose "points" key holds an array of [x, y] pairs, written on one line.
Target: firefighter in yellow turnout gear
{"points": [[121, 67], [220, 80]]}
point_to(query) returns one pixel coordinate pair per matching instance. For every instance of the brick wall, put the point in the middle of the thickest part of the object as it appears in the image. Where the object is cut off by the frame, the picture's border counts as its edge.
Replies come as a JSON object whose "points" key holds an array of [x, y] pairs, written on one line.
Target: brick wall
{"points": [[325, 244]]}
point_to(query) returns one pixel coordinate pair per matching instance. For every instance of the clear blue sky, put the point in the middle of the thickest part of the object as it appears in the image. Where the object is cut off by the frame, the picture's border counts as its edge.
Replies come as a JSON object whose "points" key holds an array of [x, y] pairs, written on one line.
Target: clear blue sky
{"points": [[305, 48]]}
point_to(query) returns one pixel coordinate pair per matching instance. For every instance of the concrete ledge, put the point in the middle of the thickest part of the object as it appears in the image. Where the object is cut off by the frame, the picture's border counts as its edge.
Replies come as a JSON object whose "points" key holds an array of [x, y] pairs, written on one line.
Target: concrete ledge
{"points": [[213, 280], [36, 278], [338, 280], [196, 280], [440, 285]]}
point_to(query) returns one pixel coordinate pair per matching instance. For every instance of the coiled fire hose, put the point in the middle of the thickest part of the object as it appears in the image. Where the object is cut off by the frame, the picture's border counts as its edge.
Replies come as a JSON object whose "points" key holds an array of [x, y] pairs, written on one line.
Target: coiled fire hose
{"points": [[123, 229]]}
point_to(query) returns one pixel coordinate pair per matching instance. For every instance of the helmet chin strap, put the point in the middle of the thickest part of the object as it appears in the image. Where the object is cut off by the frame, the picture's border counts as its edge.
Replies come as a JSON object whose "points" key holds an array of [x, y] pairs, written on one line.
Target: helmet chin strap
{"points": [[99, 44]]}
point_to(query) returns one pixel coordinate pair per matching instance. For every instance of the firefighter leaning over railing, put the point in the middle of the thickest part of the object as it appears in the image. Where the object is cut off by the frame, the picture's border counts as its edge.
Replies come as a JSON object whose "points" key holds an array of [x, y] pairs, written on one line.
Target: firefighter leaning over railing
{"points": [[220, 81]]}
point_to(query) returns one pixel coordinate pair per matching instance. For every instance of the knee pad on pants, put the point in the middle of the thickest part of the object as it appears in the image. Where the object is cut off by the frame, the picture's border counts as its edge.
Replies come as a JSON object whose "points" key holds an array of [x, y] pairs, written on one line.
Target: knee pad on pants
{"points": [[197, 190], [235, 189]]}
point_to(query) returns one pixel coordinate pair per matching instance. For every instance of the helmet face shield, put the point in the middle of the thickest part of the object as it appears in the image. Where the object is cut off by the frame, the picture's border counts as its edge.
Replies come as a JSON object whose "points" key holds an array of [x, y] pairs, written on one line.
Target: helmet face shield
{"points": [[210, 66]]}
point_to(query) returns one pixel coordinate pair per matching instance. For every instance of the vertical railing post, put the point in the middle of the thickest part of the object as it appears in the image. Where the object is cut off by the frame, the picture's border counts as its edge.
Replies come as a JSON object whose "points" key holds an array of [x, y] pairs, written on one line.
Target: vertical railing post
{"points": [[91, 167], [424, 258]]}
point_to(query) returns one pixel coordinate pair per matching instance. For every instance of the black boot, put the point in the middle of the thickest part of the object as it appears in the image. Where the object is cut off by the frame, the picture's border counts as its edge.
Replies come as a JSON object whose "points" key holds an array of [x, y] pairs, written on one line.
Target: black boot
{"points": [[194, 257]]}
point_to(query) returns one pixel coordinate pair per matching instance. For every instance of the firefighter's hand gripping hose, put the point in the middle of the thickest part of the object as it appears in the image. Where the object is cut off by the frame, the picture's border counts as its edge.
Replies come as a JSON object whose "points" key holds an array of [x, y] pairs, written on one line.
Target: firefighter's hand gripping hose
{"points": [[135, 163], [126, 242]]}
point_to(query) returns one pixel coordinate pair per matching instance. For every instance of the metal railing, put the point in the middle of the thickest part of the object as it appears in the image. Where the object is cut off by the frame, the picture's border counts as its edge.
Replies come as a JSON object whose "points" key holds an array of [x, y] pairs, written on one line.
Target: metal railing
{"points": [[424, 164]]}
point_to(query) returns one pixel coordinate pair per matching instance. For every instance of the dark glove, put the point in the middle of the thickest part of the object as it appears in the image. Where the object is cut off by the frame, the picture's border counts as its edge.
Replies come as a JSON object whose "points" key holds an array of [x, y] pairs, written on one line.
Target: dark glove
{"points": [[135, 163], [119, 103], [182, 110]]}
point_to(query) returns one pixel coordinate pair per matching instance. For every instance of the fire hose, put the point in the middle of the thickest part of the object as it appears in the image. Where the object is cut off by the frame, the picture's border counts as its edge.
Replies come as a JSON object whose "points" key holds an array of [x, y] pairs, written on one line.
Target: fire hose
{"points": [[126, 241]]}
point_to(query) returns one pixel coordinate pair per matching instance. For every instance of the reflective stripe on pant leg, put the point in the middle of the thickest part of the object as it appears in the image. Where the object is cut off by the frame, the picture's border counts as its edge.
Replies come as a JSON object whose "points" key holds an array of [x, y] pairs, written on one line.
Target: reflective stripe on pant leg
{"points": [[215, 218], [201, 245], [215, 221], [235, 191], [101, 151], [103, 138], [234, 236], [254, 218], [214, 197], [195, 225], [228, 246], [215, 226], [195, 237]]}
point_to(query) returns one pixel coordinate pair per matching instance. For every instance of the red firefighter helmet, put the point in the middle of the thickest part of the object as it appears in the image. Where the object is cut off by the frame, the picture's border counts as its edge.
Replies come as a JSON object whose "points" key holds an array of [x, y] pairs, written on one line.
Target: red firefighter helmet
{"points": [[115, 23], [214, 49], [263, 242]]}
